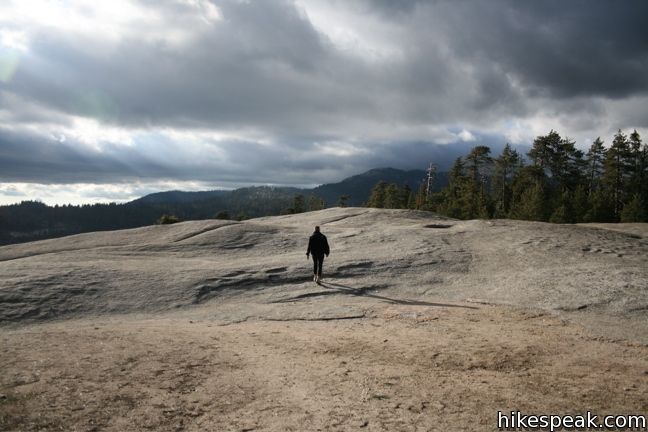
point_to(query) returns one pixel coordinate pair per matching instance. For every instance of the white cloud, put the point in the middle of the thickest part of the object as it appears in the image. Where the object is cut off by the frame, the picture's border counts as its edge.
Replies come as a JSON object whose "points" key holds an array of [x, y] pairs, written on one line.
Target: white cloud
{"points": [[466, 136], [80, 16], [14, 40], [339, 148], [210, 12], [88, 193], [353, 31], [96, 135]]}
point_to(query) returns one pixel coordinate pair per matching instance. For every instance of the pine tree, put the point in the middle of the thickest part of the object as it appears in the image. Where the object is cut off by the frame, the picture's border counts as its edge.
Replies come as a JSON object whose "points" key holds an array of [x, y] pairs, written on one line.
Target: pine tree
{"points": [[412, 202], [479, 163], [636, 164], [563, 213], [560, 215], [532, 204], [617, 171], [595, 157], [392, 197], [505, 167], [377, 197], [567, 166], [484, 204], [454, 202], [600, 208], [315, 203], [559, 159], [634, 211], [643, 187], [543, 149], [342, 201], [406, 197], [580, 204], [529, 197], [298, 204]]}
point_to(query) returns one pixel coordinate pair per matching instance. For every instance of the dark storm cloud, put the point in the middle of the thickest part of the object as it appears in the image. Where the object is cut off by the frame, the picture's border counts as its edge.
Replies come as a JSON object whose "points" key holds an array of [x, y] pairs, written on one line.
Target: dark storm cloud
{"points": [[398, 7], [257, 67], [267, 70], [263, 66], [557, 48], [34, 158]]}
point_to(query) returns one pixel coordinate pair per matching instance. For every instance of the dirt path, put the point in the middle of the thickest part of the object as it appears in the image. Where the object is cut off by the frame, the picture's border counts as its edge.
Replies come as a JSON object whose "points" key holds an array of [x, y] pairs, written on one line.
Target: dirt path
{"points": [[408, 368]]}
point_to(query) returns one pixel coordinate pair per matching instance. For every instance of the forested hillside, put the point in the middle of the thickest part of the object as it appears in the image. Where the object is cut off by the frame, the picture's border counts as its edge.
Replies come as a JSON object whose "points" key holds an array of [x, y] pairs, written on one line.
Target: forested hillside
{"points": [[31, 220], [358, 187]]}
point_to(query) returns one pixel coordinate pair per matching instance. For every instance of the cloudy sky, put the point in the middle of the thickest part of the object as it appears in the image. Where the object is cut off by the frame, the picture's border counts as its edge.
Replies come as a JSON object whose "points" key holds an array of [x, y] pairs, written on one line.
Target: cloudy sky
{"points": [[107, 101]]}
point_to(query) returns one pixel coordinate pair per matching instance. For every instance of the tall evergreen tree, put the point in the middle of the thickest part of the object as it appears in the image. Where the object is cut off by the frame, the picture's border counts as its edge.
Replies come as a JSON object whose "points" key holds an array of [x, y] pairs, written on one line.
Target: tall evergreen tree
{"points": [[566, 166], [315, 202], [406, 197], [617, 171], [636, 164], [299, 204], [580, 204], [532, 204], [563, 212], [560, 160], [529, 196], [595, 158], [635, 210], [643, 187], [454, 203], [478, 163], [377, 197], [542, 151], [392, 197], [412, 202], [483, 205], [505, 167], [600, 207]]}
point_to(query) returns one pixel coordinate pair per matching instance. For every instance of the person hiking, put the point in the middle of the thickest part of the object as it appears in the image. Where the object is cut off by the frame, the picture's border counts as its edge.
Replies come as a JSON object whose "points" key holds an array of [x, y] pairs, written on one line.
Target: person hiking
{"points": [[318, 246]]}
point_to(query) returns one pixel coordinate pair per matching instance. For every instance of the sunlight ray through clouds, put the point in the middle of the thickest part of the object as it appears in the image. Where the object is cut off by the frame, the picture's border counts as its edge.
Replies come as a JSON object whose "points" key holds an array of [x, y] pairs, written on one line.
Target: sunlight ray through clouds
{"points": [[9, 62]]}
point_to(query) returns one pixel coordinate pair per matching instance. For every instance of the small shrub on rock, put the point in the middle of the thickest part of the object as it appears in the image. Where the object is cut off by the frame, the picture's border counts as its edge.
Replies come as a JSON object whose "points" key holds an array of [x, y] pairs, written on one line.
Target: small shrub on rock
{"points": [[167, 219]]}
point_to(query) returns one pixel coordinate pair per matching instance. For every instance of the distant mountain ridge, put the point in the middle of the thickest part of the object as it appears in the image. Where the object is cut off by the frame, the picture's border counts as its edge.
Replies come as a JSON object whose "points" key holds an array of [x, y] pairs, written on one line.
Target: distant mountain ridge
{"points": [[31, 220], [357, 188], [180, 196]]}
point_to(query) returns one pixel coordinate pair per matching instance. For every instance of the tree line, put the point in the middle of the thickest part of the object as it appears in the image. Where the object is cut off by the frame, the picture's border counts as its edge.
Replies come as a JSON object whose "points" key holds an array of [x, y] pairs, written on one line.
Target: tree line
{"points": [[556, 182], [33, 220]]}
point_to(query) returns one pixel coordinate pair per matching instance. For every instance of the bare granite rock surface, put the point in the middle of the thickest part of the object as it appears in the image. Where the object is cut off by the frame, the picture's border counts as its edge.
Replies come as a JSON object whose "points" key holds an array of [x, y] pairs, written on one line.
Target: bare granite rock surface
{"points": [[257, 269]]}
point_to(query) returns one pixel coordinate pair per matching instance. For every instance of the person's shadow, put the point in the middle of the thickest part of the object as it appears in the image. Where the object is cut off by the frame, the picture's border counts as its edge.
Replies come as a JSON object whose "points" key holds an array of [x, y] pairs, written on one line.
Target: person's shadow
{"points": [[364, 292]]}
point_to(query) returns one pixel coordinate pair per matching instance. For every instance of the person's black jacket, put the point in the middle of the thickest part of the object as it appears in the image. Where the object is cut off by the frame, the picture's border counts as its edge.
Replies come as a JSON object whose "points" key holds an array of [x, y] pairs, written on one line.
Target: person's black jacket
{"points": [[317, 244]]}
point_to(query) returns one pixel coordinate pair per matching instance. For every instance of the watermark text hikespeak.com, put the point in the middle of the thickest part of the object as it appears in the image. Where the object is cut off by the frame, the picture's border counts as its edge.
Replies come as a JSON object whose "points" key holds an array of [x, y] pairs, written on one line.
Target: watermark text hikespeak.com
{"points": [[515, 420]]}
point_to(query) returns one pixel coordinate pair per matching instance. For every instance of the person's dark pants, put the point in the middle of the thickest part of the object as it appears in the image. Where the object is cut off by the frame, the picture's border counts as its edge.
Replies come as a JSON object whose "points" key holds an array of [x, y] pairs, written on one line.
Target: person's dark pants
{"points": [[318, 262]]}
